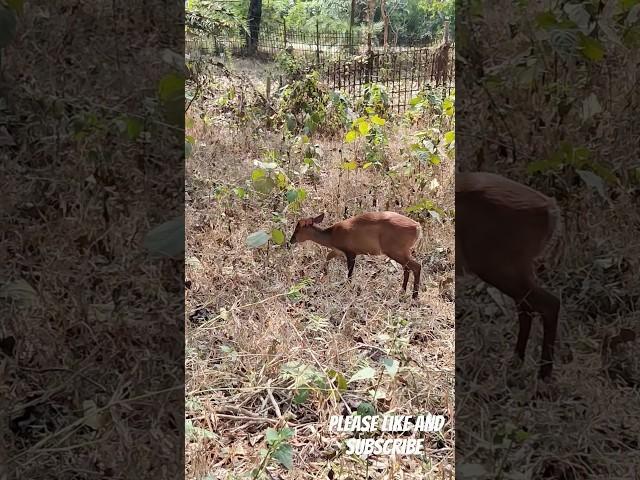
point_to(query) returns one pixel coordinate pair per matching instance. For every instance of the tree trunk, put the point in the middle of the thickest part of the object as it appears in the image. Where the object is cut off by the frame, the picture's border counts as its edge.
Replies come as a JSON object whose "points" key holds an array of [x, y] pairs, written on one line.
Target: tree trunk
{"points": [[385, 19], [351, 21], [254, 17], [370, 13]]}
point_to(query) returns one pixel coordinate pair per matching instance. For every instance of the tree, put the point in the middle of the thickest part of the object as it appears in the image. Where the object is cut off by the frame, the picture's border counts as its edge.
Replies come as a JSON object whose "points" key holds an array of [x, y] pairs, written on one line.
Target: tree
{"points": [[210, 17], [253, 18], [385, 19]]}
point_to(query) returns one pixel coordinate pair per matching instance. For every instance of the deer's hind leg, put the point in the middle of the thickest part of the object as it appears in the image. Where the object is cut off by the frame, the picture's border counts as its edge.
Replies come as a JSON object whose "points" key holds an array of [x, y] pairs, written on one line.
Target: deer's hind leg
{"points": [[409, 264]]}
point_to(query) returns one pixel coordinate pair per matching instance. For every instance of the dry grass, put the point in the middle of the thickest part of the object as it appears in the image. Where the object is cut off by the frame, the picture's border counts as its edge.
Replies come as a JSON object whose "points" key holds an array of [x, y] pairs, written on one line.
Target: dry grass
{"points": [[94, 320], [585, 426], [242, 327]]}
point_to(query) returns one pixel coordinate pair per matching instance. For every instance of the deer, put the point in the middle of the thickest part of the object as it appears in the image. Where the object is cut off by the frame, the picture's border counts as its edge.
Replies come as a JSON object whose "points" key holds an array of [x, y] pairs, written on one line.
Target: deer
{"points": [[371, 233], [503, 230]]}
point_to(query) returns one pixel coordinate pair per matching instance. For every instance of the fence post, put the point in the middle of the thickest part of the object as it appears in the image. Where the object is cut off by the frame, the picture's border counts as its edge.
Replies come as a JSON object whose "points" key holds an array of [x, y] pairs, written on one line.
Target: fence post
{"points": [[369, 59], [268, 87], [317, 41], [446, 32], [284, 29]]}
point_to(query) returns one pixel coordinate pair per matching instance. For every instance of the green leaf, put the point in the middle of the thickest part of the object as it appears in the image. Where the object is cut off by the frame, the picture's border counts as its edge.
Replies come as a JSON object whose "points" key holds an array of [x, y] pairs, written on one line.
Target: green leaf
{"points": [[448, 108], [257, 174], [187, 148], [309, 125], [291, 123], [350, 136], [436, 215], [193, 262], [631, 38], [266, 165], [590, 107], [338, 380], [301, 396], [281, 180], [320, 383], [195, 433], [170, 86], [449, 137], [167, 239], [591, 48], [366, 409], [521, 436], [264, 185], [171, 94], [367, 165], [188, 122], [435, 159], [365, 373], [540, 166], [391, 366], [377, 120], [286, 433], [16, 5], [634, 14], [271, 435], [277, 236], [284, 456], [292, 196], [594, 181], [352, 165], [364, 127], [579, 15], [8, 24], [203, 432], [546, 20], [296, 195], [134, 128], [258, 239]]}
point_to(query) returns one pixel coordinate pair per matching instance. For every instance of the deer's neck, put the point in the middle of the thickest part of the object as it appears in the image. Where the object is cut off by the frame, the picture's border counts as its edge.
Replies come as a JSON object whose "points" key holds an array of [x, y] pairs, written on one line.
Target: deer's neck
{"points": [[322, 236]]}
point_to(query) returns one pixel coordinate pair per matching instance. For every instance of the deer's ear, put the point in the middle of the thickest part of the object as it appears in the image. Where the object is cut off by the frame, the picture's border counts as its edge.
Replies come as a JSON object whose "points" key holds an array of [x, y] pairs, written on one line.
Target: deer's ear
{"points": [[319, 218]]}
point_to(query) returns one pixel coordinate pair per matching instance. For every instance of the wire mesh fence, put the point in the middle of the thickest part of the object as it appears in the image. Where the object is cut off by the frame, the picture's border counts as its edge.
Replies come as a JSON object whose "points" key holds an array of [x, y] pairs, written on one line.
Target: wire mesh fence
{"points": [[346, 62]]}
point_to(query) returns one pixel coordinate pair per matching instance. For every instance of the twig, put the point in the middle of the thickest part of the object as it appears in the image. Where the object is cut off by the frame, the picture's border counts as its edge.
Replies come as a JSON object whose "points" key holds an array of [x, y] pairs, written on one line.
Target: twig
{"points": [[273, 400], [272, 421]]}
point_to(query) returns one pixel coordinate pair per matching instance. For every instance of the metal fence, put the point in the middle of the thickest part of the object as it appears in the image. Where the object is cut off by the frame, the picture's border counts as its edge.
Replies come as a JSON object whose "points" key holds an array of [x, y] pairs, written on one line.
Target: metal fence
{"points": [[346, 62], [317, 44], [403, 73]]}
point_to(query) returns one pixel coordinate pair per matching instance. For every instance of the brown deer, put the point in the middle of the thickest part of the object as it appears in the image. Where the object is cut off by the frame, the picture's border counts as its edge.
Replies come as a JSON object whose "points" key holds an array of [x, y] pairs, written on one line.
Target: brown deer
{"points": [[372, 233], [502, 229]]}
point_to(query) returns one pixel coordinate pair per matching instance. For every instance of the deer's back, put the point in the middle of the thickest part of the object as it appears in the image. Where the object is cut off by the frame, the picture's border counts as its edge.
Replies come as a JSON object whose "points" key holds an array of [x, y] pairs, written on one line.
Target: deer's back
{"points": [[375, 233], [499, 220]]}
